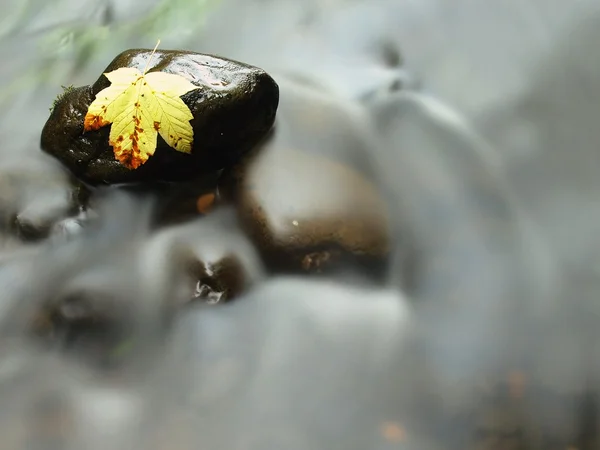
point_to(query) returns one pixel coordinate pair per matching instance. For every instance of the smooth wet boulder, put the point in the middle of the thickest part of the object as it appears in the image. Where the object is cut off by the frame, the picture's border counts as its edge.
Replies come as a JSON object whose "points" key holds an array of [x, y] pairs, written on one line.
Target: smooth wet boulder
{"points": [[305, 195], [233, 109], [309, 214]]}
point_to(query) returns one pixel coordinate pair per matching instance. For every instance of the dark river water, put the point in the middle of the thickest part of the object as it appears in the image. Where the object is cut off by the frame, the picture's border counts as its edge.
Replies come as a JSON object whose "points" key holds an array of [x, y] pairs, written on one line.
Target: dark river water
{"points": [[480, 122]]}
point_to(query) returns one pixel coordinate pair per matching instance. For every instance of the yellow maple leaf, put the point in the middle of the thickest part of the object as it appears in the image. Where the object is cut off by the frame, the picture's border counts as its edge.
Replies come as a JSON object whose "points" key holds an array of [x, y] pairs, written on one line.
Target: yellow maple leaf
{"points": [[140, 106]]}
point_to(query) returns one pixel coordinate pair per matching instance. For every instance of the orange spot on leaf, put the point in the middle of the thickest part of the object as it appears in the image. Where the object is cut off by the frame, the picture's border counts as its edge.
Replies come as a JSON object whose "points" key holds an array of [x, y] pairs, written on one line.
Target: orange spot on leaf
{"points": [[93, 122], [133, 158]]}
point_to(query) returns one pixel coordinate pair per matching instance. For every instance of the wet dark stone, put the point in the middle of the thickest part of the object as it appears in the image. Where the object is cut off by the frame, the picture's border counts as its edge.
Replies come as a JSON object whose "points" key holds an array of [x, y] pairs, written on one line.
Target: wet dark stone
{"points": [[221, 280], [233, 109], [309, 214], [304, 196]]}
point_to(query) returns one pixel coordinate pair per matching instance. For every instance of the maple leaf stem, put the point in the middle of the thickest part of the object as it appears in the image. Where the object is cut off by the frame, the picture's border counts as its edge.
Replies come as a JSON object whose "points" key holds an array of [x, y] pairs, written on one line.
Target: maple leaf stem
{"points": [[150, 58]]}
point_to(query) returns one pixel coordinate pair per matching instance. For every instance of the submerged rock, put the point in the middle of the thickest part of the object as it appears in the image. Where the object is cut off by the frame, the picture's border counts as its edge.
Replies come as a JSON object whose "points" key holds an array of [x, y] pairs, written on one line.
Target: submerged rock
{"points": [[34, 195], [220, 281], [221, 263], [233, 109]]}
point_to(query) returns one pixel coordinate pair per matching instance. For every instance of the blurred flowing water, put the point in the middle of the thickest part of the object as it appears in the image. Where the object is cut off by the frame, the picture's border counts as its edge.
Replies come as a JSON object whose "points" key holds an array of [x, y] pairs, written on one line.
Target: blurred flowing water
{"points": [[490, 165]]}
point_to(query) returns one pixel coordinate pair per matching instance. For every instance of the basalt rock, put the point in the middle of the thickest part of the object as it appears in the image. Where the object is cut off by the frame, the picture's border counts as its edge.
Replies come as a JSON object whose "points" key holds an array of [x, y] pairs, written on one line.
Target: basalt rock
{"points": [[233, 109]]}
